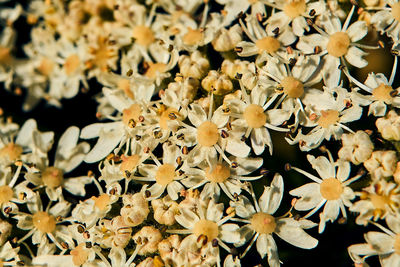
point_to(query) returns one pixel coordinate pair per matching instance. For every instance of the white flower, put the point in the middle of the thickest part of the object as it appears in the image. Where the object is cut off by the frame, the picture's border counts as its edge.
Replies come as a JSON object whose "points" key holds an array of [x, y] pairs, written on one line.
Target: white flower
{"points": [[331, 190], [356, 147], [260, 223], [389, 126], [381, 164], [387, 19]]}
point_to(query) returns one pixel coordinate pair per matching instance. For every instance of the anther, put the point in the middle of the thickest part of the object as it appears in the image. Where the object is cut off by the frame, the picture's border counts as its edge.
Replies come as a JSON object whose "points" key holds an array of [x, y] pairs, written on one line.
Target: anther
{"points": [[147, 193], [88, 244], [172, 116], [310, 22], [185, 150], [141, 118], [275, 31], [129, 72], [264, 171], [80, 229], [238, 49], [137, 137], [180, 136], [132, 123], [146, 149], [317, 50], [292, 61], [288, 167], [86, 235], [234, 164], [179, 160], [214, 243], [7, 210], [64, 245], [224, 134], [312, 12]]}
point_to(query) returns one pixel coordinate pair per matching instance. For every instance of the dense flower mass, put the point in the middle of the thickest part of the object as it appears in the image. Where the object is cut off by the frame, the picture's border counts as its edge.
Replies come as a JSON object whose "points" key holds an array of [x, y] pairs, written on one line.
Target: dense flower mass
{"points": [[195, 101]]}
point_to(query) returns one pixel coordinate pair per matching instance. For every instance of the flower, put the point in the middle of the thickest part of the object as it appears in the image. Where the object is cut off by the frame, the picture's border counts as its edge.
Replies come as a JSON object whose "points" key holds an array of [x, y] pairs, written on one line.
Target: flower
{"points": [[356, 147], [260, 223]]}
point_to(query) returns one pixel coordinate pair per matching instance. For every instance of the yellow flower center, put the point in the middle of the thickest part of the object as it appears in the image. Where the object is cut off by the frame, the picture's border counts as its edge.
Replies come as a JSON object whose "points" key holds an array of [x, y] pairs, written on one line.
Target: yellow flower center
{"points": [[46, 66], [328, 118], [396, 245], [255, 116], [11, 151], [165, 174], [71, 64], [338, 44], [294, 8], [263, 223], [379, 201], [101, 54], [396, 11], [382, 93], [207, 228], [292, 87], [124, 85], [155, 68], [6, 194], [129, 163], [268, 44], [219, 174], [5, 56], [131, 113], [165, 117], [52, 177], [79, 255], [102, 201], [192, 37], [44, 222], [143, 35], [331, 189], [207, 134]]}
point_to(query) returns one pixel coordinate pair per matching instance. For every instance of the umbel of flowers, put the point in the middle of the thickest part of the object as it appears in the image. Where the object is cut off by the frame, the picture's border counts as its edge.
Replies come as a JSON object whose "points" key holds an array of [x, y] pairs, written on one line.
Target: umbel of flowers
{"points": [[188, 93]]}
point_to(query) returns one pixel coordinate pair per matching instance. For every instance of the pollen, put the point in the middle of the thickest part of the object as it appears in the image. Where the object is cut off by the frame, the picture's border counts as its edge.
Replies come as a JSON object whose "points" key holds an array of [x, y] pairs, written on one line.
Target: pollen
{"points": [[255, 116], [124, 85], [129, 163], [292, 87], [219, 174], [328, 118], [165, 117], [268, 44], [165, 174], [193, 37], [52, 177], [338, 44], [44, 222], [155, 68], [143, 35], [11, 151], [331, 189], [263, 223], [6, 194], [207, 134], [5, 56], [102, 201], [396, 11], [382, 93], [46, 66], [79, 255], [71, 64], [206, 228], [131, 113], [294, 8]]}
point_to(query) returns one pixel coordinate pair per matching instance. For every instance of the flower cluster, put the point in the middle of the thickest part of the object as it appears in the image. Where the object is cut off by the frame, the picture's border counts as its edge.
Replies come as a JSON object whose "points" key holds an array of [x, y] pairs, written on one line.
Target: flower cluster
{"points": [[188, 95]]}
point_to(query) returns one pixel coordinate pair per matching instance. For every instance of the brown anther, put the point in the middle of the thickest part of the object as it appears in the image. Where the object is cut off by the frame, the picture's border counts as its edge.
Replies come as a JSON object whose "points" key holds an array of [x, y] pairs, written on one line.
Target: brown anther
{"points": [[81, 229], [234, 164], [86, 235], [289, 50], [317, 50], [14, 240], [129, 72], [59, 218], [235, 196], [127, 173], [354, 2], [243, 138], [202, 239], [18, 91], [214, 243], [180, 172], [113, 191], [259, 17], [275, 31], [137, 137], [238, 76], [157, 134], [88, 244], [179, 160], [395, 52], [323, 149], [313, 116], [302, 143], [180, 136], [141, 118], [292, 61], [393, 93], [7, 210], [21, 263], [288, 167], [170, 48], [360, 11], [312, 12], [224, 134], [22, 196], [297, 217], [112, 42], [98, 115], [240, 15], [146, 150], [310, 22], [341, 67], [229, 126], [64, 245], [238, 49], [348, 103], [172, 116], [147, 193], [342, 220], [369, 132], [132, 123], [264, 171], [116, 7], [226, 110]]}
